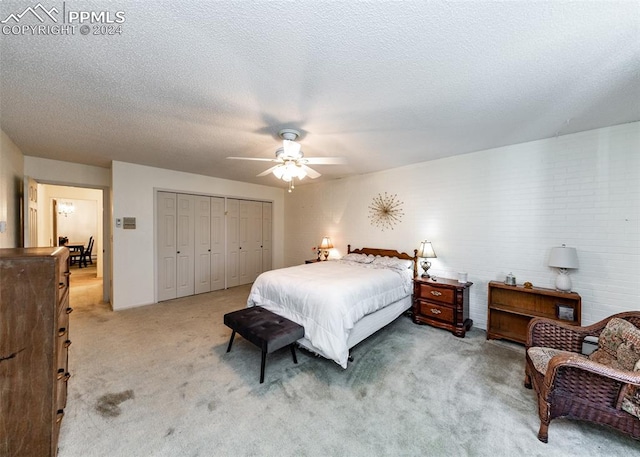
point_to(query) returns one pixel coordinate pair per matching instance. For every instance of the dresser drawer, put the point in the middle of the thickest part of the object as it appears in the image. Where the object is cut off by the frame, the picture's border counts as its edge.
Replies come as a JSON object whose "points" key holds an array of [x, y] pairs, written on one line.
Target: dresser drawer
{"points": [[440, 294], [63, 277], [433, 310]]}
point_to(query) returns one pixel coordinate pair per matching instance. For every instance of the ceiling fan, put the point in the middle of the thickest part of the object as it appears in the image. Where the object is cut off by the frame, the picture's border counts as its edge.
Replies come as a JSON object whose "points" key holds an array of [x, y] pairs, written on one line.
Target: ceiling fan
{"points": [[290, 160]]}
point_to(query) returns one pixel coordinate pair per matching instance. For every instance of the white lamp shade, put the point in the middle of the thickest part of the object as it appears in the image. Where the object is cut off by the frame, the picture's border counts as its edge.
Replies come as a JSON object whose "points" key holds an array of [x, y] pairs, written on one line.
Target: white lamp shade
{"points": [[291, 148], [426, 250], [326, 243], [289, 170], [563, 257]]}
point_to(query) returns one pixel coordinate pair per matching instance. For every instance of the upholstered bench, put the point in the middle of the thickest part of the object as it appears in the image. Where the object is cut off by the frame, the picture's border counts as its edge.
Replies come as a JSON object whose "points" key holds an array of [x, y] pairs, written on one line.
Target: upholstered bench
{"points": [[265, 329]]}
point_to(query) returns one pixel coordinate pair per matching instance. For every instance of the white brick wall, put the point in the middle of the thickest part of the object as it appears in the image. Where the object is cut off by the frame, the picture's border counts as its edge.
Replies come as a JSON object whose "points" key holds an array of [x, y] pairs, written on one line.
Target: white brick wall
{"points": [[498, 211]]}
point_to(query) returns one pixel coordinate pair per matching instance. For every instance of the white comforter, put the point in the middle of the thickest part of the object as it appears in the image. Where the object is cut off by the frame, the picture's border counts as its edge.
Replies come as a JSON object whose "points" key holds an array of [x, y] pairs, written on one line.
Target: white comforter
{"points": [[328, 298]]}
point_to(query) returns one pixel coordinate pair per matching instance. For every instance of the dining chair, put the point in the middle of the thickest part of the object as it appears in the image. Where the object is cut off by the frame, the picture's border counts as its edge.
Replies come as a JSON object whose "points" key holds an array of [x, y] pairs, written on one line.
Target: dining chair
{"points": [[87, 252]]}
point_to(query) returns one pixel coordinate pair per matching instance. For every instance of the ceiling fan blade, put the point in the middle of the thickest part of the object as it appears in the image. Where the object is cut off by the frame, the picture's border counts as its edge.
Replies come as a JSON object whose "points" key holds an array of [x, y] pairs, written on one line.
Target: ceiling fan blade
{"points": [[266, 172], [310, 172], [325, 160], [260, 159]]}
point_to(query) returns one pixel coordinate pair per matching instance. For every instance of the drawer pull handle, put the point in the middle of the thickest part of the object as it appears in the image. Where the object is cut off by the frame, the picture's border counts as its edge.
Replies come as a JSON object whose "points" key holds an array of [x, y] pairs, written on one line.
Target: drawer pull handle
{"points": [[59, 416], [62, 331], [69, 310], [67, 273], [435, 311], [61, 285], [62, 375], [436, 293], [67, 343]]}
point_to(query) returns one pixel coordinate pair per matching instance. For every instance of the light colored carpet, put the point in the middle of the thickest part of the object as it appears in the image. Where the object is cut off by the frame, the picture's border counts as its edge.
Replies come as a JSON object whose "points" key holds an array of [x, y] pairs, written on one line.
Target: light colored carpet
{"points": [[157, 381]]}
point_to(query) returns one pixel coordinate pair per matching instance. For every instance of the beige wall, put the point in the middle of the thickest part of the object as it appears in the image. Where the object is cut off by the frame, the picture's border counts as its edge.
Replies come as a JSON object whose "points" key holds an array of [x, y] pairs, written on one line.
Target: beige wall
{"points": [[134, 251], [498, 211], [11, 179]]}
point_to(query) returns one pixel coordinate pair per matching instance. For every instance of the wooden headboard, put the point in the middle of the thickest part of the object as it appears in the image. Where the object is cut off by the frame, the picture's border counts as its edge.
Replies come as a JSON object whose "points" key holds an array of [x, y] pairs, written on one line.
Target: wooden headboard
{"points": [[388, 253]]}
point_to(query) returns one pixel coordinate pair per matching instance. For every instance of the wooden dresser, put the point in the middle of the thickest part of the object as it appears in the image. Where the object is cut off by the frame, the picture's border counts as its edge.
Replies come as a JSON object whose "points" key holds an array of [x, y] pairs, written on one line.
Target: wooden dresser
{"points": [[443, 303], [34, 337]]}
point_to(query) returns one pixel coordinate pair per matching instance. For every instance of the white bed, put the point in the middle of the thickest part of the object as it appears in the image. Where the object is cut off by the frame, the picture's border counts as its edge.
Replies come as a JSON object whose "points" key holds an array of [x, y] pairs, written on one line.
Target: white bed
{"points": [[339, 302]]}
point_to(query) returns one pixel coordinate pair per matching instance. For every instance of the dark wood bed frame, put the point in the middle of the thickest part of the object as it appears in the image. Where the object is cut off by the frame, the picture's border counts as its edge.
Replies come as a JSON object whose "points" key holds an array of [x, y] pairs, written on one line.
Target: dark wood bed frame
{"points": [[388, 253]]}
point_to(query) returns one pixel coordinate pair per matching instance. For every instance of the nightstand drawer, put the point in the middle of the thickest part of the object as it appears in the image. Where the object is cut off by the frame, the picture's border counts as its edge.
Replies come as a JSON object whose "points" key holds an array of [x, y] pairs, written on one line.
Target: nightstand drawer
{"points": [[441, 294], [435, 311]]}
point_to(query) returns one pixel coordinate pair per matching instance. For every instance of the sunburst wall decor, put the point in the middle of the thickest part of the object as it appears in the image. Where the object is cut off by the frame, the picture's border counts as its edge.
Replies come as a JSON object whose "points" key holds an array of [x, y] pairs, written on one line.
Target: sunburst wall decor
{"points": [[385, 211]]}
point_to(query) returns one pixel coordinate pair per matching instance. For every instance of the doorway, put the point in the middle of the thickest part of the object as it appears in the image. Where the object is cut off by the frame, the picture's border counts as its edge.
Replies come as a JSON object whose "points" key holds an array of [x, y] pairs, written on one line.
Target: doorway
{"points": [[75, 213]]}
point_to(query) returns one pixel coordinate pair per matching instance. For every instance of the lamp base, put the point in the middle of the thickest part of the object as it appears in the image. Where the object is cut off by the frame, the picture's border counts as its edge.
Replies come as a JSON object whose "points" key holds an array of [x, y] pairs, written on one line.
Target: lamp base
{"points": [[425, 266], [563, 281]]}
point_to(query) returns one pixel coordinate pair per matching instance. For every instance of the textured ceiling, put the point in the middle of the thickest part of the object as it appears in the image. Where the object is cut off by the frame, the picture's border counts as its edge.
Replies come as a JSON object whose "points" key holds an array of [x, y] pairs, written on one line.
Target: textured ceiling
{"points": [[383, 84]]}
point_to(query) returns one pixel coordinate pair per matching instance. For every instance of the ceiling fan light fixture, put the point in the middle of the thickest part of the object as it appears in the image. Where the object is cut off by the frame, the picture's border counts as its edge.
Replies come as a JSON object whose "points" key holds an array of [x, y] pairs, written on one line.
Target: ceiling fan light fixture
{"points": [[278, 171], [291, 148]]}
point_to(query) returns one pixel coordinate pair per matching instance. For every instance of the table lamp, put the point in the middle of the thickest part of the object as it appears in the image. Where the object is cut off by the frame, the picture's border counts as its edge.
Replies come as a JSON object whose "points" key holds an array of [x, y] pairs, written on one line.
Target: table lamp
{"points": [[564, 259], [426, 250], [325, 245]]}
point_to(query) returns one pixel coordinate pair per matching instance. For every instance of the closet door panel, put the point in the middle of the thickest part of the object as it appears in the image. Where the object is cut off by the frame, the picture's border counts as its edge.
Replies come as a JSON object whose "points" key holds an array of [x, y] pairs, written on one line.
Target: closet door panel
{"points": [[254, 242], [217, 244], [233, 242], [186, 245], [244, 275], [267, 248], [202, 273], [166, 248]]}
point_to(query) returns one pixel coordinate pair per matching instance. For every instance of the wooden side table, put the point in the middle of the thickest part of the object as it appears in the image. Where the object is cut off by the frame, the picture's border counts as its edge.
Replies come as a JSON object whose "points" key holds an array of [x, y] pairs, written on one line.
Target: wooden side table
{"points": [[443, 303]]}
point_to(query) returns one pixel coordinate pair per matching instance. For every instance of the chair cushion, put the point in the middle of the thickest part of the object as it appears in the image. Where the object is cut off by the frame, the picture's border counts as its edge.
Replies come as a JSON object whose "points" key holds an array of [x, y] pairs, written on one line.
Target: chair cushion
{"points": [[631, 402], [619, 348], [618, 345], [540, 357]]}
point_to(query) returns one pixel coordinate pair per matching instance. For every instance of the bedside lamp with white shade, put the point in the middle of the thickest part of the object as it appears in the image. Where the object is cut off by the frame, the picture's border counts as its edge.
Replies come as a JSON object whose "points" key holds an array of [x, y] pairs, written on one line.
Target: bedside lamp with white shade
{"points": [[325, 245], [426, 251], [564, 259]]}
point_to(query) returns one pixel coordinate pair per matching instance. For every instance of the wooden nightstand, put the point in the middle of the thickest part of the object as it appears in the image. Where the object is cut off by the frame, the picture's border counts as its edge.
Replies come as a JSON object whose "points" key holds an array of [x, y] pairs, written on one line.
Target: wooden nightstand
{"points": [[443, 303]]}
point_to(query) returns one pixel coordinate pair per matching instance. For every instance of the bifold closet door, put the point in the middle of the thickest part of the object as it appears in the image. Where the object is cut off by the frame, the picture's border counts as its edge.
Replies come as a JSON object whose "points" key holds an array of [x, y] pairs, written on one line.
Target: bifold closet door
{"points": [[190, 244], [176, 245], [209, 244], [248, 226]]}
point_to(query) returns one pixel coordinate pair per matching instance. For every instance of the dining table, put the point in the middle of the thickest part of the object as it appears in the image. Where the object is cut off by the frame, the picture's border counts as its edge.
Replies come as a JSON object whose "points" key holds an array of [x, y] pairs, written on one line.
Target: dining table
{"points": [[77, 251]]}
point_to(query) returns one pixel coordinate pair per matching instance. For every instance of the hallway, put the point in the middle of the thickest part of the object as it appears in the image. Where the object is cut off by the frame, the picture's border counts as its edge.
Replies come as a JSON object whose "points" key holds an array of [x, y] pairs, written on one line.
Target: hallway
{"points": [[85, 290]]}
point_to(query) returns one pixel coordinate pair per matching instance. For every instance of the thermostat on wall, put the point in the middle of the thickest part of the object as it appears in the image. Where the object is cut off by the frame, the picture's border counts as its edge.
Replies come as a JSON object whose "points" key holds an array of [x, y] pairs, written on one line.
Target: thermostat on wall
{"points": [[129, 223]]}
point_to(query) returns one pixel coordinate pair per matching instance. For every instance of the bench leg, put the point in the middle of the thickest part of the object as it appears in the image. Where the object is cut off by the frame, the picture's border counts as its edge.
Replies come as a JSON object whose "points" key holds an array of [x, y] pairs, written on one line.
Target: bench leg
{"points": [[293, 353], [231, 340], [264, 360]]}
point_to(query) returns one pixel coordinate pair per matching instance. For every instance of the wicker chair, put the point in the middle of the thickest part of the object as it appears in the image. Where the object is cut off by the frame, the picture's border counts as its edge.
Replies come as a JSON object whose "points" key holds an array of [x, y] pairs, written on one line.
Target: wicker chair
{"points": [[574, 386]]}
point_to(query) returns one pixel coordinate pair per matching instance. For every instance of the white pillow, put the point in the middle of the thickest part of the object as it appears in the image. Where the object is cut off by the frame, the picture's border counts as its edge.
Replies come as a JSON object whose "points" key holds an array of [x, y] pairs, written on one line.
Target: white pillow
{"points": [[360, 258], [394, 263]]}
